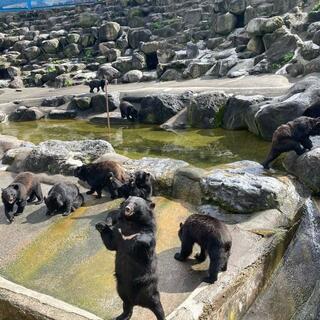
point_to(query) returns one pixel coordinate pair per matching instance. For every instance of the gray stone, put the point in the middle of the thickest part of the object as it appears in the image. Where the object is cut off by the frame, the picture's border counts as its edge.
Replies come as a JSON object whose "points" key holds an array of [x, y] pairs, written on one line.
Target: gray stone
{"points": [[242, 68], [56, 156], [157, 109], [71, 50], [123, 64], [26, 114], [73, 38], [242, 187], [192, 50], [132, 76], [256, 45], [139, 61], [112, 54], [152, 46], [225, 23], [50, 46], [237, 6], [98, 103], [32, 53], [135, 36], [170, 75], [261, 26], [13, 71], [205, 110], [60, 114], [162, 170], [109, 31], [197, 69], [213, 43], [108, 72], [16, 83], [82, 103], [9, 142], [88, 19]]}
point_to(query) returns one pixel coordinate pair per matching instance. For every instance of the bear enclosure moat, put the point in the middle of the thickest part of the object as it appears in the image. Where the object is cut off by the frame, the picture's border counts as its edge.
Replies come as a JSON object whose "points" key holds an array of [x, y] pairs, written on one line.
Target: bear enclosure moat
{"points": [[203, 148]]}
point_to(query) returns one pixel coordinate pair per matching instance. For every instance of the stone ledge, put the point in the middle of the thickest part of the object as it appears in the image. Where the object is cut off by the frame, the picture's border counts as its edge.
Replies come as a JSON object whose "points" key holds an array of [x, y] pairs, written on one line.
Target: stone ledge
{"points": [[17, 302]]}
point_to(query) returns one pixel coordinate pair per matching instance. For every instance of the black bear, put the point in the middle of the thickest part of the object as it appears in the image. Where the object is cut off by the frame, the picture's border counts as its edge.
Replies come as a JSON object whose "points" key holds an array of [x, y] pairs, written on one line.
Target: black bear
{"points": [[313, 111], [133, 239], [96, 83], [214, 239], [99, 175], [293, 136], [63, 198], [25, 188], [139, 185], [128, 111]]}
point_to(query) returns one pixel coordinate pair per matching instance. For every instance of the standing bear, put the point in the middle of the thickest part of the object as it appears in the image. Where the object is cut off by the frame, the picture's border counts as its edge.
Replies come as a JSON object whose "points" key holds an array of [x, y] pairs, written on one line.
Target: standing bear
{"points": [[133, 238], [293, 136], [214, 239], [101, 175], [63, 198], [96, 83], [24, 188], [128, 111]]}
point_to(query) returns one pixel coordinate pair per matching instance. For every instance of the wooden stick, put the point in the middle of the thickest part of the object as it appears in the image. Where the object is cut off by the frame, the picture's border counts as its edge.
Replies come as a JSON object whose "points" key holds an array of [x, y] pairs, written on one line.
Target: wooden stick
{"points": [[107, 102]]}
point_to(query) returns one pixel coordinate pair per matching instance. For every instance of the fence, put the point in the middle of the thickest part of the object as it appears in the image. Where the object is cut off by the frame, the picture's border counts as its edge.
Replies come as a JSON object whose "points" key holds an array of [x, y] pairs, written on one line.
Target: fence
{"points": [[19, 5]]}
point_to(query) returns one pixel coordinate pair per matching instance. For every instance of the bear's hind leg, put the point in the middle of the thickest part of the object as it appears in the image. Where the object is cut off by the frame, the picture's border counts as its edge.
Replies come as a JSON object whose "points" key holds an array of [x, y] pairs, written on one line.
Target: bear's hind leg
{"points": [[32, 197], [38, 194], [214, 267], [156, 307], [127, 312], [271, 157], [202, 255]]}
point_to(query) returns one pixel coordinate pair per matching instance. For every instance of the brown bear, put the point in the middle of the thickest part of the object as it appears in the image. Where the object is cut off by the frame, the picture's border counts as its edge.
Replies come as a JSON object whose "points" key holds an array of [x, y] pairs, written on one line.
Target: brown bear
{"points": [[100, 175], [24, 188], [293, 136], [214, 239], [133, 237]]}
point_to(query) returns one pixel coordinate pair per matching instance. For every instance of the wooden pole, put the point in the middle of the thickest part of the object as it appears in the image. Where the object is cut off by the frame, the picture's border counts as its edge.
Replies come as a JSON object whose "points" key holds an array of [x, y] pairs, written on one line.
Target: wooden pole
{"points": [[107, 104]]}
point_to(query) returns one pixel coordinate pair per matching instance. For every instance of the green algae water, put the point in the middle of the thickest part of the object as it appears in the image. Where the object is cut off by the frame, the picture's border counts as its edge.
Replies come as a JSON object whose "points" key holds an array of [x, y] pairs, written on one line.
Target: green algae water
{"points": [[202, 148]]}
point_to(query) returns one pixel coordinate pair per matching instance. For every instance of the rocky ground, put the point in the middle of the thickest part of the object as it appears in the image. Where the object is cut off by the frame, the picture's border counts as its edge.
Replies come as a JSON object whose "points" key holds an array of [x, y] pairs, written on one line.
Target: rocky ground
{"points": [[138, 41]]}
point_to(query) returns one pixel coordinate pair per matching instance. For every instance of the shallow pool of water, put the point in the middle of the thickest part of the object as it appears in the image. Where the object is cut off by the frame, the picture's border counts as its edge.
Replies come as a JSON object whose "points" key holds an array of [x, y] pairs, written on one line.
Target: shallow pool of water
{"points": [[202, 148]]}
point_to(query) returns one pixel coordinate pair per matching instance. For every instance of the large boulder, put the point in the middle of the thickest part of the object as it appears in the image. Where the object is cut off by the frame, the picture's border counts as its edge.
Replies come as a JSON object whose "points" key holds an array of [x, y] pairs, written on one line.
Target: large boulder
{"points": [[157, 109], [56, 156], [261, 26], [16, 83], [98, 103], [108, 72], [123, 64], [109, 31], [9, 142], [242, 187], [71, 50], [225, 23], [26, 114], [305, 167], [235, 112], [32, 53], [50, 46], [162, 170], [88, 19], [135, 36], [206, 109], [132, 76]]}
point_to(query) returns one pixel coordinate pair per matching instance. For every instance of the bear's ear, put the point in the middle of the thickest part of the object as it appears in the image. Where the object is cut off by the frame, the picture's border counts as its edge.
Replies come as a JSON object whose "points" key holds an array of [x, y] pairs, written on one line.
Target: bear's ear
{"points": [[148, 174], [152, 205], [181, 224], [16, 187]]}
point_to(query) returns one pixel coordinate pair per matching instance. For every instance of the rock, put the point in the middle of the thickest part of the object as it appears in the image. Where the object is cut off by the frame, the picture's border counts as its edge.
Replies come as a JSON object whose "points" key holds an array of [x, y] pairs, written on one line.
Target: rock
{"points": [[20, 46], [50, 46], [32, 53], [256, 45], [60, 114], [310, 50], [16, 157], [73, 38], [82, 103], [139, 61], [205, 110], [196, 69], [135, 36], [225, 23], [122, 42], [261, 26], [149, 76], [63, 80], [112, 157], [13, 71], [88, 40], [152, 46], [102, 118], [98, 103], [10, 142], [222, 67], [123, 64], [305, 167], [26, 114], [213, 43], [108, 72], [236, 110], [58, 33], [71, 50], [295, 69], [2, 116], [280, 45], [170, 75], [192, 50], [56, 101], [316, 38], [179, 121], [132, 76], [157, 109], [165, 55], [237, 6], [312, 66], [88, 19], [241, 69], [162, 170], [242, 187], [109, 31], [16, 83], [55, 156], [112, 54]]}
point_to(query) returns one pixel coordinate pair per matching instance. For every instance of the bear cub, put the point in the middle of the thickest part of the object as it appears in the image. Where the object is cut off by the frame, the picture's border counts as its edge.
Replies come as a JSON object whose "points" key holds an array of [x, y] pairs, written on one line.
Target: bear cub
{"points": [[96, 83], [214, 239], [24, 188], [128, 111], [133, 238], [98, 176], [63, 198], [293, 136]]}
